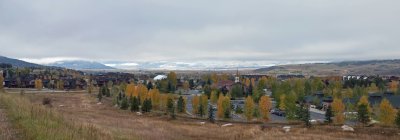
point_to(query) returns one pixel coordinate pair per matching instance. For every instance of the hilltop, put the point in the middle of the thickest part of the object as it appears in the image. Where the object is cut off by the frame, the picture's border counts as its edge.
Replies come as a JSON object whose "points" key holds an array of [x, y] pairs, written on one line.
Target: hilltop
{"points": [[371, 67], [17, 62]]}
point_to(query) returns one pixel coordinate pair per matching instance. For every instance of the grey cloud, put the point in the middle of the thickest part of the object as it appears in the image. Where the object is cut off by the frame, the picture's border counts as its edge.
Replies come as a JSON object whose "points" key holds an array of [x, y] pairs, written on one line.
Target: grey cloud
{"points": [[221, 30]]}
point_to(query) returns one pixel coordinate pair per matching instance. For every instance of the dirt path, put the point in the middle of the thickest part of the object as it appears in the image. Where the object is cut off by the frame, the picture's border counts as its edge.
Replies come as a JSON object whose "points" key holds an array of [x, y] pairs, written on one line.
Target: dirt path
{"points": [[7, 132]]}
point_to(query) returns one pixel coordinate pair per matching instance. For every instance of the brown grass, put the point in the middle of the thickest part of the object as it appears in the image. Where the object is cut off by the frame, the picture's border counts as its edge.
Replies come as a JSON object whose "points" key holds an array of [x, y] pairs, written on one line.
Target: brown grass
{"points": [[83, 109]]}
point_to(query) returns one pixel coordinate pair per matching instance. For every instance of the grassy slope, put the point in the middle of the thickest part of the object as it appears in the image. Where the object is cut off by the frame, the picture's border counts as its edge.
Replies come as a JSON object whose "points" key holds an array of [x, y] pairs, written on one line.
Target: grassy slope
{"points": [[37, 122], [384, 67]]}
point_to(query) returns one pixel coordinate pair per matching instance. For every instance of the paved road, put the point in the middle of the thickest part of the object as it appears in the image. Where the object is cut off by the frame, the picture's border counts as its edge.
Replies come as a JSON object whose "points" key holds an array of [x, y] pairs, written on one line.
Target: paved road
{"points": [[30, 90]]}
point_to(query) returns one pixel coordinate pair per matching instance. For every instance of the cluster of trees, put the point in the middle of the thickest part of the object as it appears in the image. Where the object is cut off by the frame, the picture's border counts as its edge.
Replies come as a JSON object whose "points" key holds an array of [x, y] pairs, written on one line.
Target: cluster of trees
{"points": [[140, 98], [386, 112], [200, 104], [169, 84]]}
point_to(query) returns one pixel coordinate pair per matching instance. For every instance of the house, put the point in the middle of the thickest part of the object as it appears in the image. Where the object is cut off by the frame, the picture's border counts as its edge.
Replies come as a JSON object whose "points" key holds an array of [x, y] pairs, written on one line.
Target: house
{"points": [[319, 100], [159, 77], [375, 99]]}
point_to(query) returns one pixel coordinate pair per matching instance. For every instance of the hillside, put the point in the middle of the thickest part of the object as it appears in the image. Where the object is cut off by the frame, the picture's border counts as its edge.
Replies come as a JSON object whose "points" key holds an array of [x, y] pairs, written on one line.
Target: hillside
{"points": [[81, 65], [17, 63], [372, 67]]}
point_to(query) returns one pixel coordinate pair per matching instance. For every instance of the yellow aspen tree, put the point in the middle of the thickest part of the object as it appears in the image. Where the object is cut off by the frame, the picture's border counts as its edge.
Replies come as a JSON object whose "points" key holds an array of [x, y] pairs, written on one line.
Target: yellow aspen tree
{"points": [[142, 92], [195, 104], [226, 105], [214, 97], [282, 105], [220, 108], [364, 100], [249, 108], [155, 98], [38, 84], [163, 101], [348, 93], [214, 77], [130, 89], [373, 88], [387, 113], [338, 110], [204, 102], [60, 85], [247, 82], [265, 105], [393, 86], [186, 86]]}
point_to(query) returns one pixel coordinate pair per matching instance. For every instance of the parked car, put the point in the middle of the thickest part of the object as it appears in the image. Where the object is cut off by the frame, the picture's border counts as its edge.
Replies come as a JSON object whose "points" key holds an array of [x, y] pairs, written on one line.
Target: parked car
{"points": [[278, 112]]}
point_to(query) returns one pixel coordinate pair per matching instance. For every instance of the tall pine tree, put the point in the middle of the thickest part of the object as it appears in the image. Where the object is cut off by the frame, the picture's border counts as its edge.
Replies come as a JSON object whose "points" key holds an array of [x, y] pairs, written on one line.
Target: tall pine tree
{"points": [[329, 115]]}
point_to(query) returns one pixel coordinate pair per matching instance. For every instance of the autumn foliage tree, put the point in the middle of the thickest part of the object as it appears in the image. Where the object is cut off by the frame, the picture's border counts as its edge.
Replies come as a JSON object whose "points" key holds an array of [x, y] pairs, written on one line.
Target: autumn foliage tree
{"points": [[38, 84], [397, 120], [186, 86], [171, 77], [195, 104], [142, 92], [130, 90], [249, 108], [364, 101], [265, 105], [387, 113], [338, 109], [393, 86], [203, 104], [214, 97], [220, 108], [155, 98]]}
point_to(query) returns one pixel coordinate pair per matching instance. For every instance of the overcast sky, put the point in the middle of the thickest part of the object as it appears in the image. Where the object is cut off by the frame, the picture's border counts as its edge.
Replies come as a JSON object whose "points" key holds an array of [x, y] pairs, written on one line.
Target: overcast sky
{"points": [[205, 30]]}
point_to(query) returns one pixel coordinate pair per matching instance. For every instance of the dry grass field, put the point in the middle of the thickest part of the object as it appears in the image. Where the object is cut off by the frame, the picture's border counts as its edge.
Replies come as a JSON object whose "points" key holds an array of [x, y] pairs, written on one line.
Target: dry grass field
{"points": [[112, 123]]}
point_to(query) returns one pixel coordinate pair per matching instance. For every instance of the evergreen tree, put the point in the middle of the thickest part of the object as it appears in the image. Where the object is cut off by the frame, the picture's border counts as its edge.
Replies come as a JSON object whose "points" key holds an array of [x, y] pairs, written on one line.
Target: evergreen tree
{"points": [[201, 110], [149, 85], [181, 105], [124, 104], [363, 115], [238, 110], [100, 96], [146, 107], [134, 104], [171, 108], [306, 115], [397, 120], [170, 105], [329, 115], [211, 113]]}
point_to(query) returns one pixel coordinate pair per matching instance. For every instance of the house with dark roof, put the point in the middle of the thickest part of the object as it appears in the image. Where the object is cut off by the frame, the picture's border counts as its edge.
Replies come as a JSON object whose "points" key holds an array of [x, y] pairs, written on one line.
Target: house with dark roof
{"points": [[375, 99]]}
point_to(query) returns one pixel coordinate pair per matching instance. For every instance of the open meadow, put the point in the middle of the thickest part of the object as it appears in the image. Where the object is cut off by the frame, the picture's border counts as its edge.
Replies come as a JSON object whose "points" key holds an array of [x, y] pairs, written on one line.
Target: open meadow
{"points": [[80, 116]]}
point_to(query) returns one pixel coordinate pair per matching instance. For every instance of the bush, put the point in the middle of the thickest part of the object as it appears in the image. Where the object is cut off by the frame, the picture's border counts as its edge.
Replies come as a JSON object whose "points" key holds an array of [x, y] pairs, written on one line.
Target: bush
{"points": [[124, 104], [135, 104], [46, 101], [146, 107], [181, 105]]}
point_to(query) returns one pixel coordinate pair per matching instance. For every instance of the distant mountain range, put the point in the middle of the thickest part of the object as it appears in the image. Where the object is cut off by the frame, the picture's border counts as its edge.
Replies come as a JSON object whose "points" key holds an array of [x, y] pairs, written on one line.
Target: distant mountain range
{"points": [[78, 65], [372, 67], [81, 65], [18, 63]]}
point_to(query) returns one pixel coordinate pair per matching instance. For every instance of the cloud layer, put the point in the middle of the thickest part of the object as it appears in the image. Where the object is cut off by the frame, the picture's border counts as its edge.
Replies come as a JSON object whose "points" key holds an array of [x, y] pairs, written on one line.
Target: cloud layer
{"points": [[187, 31]]}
